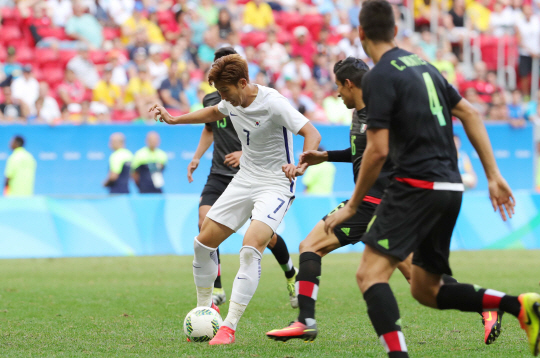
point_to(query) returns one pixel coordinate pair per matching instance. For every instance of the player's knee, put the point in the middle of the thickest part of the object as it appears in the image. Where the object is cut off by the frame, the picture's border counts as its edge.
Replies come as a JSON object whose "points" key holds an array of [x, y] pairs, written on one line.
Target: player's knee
{"points": [[425, 295], [305, 247]]}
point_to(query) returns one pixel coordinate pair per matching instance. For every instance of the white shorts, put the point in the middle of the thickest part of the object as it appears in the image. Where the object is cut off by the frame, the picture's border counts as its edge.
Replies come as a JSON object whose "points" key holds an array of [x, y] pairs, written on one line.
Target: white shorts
{"points": [[242, 200]]}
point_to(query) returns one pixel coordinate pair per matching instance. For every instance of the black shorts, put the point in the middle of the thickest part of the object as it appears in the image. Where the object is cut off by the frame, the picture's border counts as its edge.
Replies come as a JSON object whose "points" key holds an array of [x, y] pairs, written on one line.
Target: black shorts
{"points": [[351, 231], [415, 220], [525, 65], [215, 186]]}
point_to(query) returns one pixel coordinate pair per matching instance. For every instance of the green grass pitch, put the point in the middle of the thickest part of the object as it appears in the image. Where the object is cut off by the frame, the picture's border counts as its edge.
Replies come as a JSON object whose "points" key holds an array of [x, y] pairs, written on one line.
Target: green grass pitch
{"points": [[135, 306]]}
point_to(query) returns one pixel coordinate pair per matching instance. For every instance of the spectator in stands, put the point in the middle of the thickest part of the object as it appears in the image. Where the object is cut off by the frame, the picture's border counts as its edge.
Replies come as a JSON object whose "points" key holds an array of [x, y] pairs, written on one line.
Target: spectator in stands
{"points": [[319, 114], [301, 102], [140, 94], [83, 68], [155, 35], [444, 65], [353, 12], [120, 10], [158, 69], [107, 96], [483, 88], [140, 58], [26, 89], [252, 60], [502, 19], [140, 42], [516, 110], [12, 69], [197, 25], [135, 23], [12, 110], [478, 12], [119, 165], [295, 70], [84, 27], [119, 74], [350, 45], [71, 92], [61, 10], [172, 91], [47, 107], [303, 45], [262, 79], [335, 109], [273, 54], [198, 104], [497, 108], [472, 96], [321, 70], [532, 107], [20, 170], [233, 40], [224, 23], [148, 165], [207, 49], [179, 28], [208, 12], [427, 45], [528, 33], [258, 15]]}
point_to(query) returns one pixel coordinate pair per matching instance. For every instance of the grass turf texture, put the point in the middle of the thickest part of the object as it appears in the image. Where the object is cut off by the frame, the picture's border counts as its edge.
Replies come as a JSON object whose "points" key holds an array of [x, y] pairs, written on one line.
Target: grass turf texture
{"points": [[135, 306]]}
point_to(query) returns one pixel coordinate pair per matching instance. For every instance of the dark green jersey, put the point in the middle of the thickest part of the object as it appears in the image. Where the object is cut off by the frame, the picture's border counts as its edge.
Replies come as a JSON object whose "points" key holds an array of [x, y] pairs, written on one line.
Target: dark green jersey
{"points": [[225, 139]]}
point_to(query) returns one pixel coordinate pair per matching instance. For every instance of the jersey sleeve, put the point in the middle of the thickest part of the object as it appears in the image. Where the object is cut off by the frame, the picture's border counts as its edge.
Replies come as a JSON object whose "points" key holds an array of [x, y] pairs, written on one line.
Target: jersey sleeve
{"points": [[222, 107], [211, 99], [287, 116], [116, 163], [379, 96], [453, 95]]}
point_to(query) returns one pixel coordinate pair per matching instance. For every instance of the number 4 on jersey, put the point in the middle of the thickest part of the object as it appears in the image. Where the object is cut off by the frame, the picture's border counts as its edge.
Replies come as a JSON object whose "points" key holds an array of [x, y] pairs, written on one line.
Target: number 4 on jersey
{"points": [[434, 104]]}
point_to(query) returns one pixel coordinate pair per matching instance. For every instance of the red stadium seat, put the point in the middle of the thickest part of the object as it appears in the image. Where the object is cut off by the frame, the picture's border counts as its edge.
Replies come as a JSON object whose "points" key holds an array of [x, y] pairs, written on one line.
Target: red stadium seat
{"points": [[314, 24], [165, 17], [242, 2], [124, 116], [56, 32], [3, 54], [38, 74], [292, 20], [110, 33], [25, 55], [284, 36], [10, 16], [66, 55], [253, 38], [98, 57], [46, 56], [53, 76], [10, 34]]}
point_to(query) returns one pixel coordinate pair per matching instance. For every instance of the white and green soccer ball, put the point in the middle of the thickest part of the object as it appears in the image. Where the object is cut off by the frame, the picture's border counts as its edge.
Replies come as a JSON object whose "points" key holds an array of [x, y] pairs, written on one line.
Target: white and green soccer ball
{"points": [[201, 324]]}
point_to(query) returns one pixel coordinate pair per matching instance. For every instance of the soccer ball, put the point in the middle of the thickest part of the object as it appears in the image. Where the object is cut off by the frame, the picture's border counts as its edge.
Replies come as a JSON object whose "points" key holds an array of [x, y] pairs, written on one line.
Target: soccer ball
{"points": [[201, 324]]}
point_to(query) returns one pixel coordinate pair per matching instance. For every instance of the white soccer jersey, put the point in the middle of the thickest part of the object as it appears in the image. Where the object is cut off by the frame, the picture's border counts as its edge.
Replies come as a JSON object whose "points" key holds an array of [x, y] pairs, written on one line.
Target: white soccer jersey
{"points": [[265, 129]]}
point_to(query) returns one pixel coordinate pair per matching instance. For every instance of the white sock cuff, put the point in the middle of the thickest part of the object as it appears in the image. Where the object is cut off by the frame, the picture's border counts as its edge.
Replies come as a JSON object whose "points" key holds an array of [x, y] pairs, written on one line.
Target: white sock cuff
{"points": [[196, 243], [257, 252]]}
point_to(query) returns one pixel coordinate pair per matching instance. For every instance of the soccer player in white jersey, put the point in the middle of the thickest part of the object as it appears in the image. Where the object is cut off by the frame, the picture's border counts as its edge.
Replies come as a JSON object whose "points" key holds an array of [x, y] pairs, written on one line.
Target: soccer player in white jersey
{"points": [[263, 189]]}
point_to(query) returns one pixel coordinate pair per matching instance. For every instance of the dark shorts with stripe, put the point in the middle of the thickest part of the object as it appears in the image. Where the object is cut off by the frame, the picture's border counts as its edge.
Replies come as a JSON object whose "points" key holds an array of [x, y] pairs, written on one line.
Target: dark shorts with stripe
{"points": [[351, 231], [215, 186], [415, 220]]}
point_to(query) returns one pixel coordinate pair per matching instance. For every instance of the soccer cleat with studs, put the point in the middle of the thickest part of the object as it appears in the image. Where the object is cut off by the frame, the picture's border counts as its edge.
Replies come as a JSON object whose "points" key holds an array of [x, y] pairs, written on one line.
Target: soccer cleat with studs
{"points": [[219, 296], [225, 335], [295, 330], [492, 321], [529, 318]]}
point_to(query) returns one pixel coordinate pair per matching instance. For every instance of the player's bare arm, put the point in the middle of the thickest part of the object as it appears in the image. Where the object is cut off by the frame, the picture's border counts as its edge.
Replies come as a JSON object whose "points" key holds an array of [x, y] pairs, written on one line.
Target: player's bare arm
{"points": [[110, 179], [313, 157], [207, 138], [499, 192], [374, 158], [312, 139], [205, 115]]}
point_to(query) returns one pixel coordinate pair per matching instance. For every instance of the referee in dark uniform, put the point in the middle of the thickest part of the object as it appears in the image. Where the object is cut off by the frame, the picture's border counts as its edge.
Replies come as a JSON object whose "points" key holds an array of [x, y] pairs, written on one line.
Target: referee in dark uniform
{"points": [[410, 108], [225, 164]]}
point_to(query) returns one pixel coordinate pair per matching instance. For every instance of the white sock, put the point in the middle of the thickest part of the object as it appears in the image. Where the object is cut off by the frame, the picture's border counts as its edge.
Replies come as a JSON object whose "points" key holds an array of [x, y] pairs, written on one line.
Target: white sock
{"points": [[205, 270], [233, 316], [245, 284]]}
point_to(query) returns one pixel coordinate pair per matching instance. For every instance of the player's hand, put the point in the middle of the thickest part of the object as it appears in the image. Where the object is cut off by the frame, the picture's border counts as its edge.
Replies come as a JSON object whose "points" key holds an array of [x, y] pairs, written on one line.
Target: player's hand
{"points": [[313, 157], [290, 171], [191, 168], [301, 169], [501, 197], [161, 114], [338, 217], [233, 159]]}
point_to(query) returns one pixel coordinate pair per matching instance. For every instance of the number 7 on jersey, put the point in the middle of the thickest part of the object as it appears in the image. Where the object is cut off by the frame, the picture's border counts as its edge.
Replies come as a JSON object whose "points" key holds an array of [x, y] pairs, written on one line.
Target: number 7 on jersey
{"points": [[245, 130]]}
